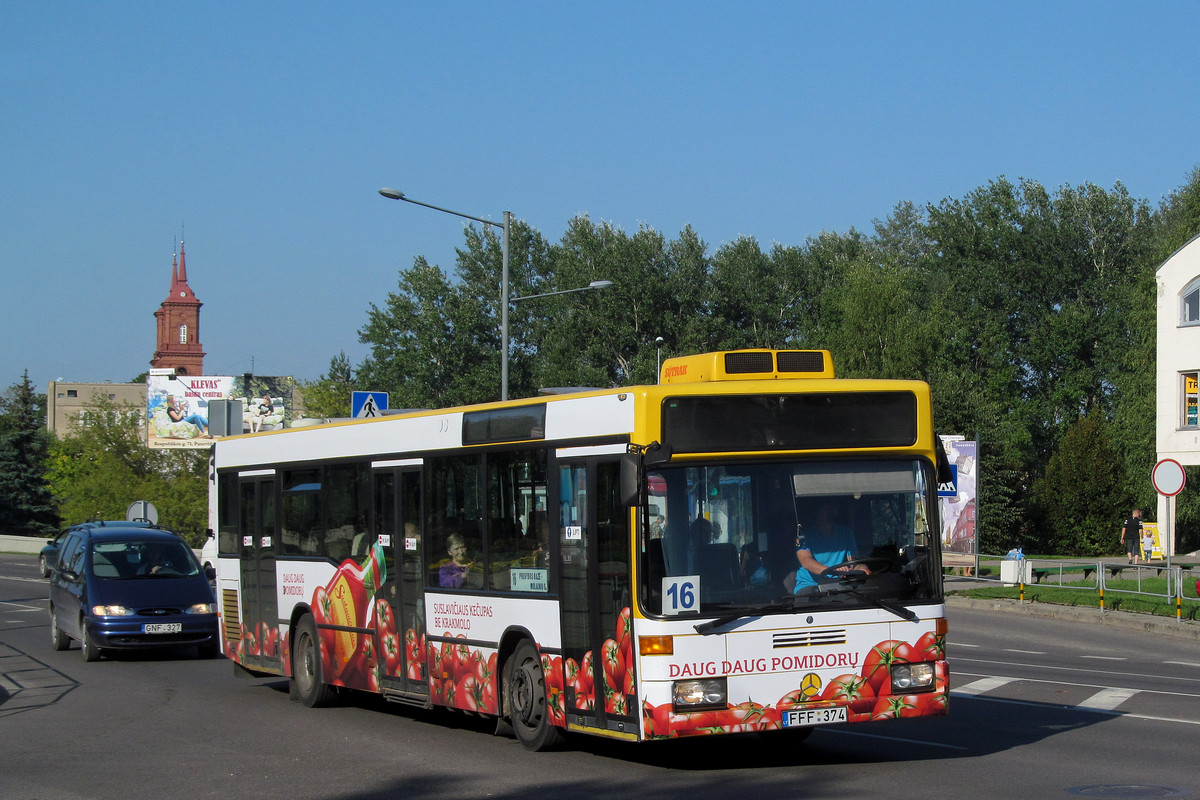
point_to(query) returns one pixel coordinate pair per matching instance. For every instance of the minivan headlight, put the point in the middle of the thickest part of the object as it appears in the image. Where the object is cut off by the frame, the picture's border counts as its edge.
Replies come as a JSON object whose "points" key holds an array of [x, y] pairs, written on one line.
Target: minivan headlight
{"points": [[202, 608], [112, 611]]}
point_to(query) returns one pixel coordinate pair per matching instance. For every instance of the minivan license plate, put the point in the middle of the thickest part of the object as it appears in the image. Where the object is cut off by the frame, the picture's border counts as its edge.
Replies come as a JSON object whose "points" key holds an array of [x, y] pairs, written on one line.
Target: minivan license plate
{"points": [[801, 717], [162, 627]]}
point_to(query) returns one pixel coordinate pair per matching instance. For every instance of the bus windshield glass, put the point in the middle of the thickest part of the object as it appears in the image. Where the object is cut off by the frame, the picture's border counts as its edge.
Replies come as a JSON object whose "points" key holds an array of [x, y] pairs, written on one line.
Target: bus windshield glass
{"points": [[730, 538]]}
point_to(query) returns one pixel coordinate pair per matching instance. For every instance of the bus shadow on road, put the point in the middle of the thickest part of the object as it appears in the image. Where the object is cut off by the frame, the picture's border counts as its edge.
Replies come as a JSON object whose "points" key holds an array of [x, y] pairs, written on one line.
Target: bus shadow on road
{"points": [[27, 683], [975, 727]]}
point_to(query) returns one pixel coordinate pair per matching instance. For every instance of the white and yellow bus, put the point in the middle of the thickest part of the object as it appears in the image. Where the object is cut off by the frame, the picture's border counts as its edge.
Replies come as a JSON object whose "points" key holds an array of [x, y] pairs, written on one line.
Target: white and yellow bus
{"points": [[749, 545]]}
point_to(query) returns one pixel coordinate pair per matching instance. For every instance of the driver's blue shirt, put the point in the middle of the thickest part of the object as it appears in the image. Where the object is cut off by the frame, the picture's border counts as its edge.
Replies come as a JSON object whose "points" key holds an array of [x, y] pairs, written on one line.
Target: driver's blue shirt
{"points": [[830, 550]]}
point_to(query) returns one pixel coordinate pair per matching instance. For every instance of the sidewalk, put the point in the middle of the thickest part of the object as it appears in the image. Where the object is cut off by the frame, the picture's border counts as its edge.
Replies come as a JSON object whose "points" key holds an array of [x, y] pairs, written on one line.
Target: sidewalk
{"points": [[1129, 620]]}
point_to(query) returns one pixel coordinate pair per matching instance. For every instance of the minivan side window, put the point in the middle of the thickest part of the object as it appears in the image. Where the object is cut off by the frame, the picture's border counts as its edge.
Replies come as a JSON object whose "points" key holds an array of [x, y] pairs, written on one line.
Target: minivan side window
{"points": [[69, 546], [77, 557]]}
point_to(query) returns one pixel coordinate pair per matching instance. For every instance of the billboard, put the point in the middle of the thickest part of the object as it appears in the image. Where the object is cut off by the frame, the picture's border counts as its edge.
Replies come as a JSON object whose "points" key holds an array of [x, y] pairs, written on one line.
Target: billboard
{"points": [[959, 499], [179, 407]]}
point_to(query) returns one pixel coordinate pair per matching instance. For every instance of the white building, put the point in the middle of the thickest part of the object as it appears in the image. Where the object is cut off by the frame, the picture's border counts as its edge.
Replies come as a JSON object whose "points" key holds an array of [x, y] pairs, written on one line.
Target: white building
{"points": [[1177, 429]]}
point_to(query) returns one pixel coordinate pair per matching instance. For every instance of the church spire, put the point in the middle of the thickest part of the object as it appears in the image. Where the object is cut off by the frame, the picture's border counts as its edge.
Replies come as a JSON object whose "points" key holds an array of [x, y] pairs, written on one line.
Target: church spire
{"points": [[180, 291], [178, 336]]}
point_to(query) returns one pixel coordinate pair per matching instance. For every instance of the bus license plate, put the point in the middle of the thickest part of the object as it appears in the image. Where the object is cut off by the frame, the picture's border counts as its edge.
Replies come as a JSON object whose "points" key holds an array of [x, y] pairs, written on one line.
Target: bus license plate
{"points": [[162, 627], [802, 717]]}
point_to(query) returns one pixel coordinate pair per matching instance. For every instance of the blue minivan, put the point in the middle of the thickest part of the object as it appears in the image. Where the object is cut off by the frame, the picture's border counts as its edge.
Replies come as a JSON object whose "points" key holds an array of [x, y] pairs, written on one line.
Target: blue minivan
{"points": [[129, 585]]}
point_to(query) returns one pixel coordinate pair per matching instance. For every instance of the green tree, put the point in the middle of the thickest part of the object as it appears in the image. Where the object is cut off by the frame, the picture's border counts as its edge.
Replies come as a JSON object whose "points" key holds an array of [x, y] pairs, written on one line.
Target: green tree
{"points": [[330, 394], [26, 504], [602, 338], [103, 465], [430, 344], [1081, 497]]}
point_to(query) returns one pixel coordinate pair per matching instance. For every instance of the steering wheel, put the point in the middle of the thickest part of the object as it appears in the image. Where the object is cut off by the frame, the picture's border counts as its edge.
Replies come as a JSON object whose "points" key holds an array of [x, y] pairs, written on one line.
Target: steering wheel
{"points": [[875, 565]]}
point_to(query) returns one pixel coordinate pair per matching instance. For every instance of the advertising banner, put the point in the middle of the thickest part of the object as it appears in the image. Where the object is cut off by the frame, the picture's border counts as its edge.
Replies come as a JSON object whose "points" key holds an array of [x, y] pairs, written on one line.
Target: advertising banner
{"points": [[177, 409], [959, 499], [180, 407]]}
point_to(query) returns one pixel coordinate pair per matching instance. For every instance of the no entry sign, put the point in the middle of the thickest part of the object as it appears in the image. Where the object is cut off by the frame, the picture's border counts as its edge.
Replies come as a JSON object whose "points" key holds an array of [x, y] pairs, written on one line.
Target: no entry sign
{"points": [[1168, 477]]}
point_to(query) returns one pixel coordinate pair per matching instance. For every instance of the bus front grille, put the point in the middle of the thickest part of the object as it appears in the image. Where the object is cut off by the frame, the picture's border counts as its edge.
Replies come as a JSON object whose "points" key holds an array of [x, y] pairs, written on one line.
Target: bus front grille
{"points": [[809, 638]]}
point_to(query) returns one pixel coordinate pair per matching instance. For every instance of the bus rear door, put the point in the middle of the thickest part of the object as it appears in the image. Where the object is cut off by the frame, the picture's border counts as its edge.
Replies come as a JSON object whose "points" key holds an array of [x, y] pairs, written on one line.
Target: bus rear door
{"points": [[260, 611], [397, 501]]}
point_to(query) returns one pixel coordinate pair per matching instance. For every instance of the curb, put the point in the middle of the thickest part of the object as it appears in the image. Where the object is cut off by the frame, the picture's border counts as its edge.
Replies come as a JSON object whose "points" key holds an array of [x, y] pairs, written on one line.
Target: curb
{"points": [[1127, 620]]}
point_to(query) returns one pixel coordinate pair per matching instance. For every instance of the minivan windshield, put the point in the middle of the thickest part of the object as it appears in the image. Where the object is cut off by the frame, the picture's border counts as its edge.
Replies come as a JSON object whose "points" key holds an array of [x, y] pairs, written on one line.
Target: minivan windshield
{"points": [[734, 539], [143, 558]]}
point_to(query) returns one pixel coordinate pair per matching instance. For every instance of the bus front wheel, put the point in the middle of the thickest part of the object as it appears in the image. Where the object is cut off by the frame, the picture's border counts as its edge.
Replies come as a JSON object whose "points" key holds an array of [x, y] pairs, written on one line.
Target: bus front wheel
{"points": [[308, 680], [525, 700]]}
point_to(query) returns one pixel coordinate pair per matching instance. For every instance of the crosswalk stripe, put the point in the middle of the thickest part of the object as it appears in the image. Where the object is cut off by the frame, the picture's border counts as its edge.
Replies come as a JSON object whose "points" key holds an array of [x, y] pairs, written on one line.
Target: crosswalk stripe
{"points": [[1108, 699], [982, 685]]}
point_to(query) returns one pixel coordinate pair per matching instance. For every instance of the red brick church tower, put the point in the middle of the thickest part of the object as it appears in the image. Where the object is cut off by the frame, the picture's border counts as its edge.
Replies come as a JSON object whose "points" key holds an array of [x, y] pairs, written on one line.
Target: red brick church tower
{"points": [[178, 318]]}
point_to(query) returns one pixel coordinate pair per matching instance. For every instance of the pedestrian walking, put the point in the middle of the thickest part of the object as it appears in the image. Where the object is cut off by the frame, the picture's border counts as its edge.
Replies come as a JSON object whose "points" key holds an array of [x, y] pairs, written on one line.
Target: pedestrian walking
{"points": [[1131, 536]]}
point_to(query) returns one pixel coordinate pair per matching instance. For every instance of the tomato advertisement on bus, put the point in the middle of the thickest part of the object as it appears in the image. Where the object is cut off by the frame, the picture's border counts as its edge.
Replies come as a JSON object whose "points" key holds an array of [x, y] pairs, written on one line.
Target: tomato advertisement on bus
{"points": [[752, 544]]}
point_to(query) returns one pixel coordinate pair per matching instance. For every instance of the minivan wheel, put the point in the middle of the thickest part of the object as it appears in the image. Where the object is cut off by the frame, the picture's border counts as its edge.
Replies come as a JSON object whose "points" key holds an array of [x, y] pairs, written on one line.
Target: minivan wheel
{"points": [[57, 638], [91, 651]]}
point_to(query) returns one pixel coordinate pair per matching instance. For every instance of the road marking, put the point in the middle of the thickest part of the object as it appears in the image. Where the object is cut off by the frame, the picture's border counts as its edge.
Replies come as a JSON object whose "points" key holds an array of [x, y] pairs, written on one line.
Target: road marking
{"points": [[1027, 652], [1122, 714], [1106, 658], [1182, 663], [19, 605], [1107, 699], [21, 578], [981, 685], [1047, 668], [964, 644], [844, 732]]}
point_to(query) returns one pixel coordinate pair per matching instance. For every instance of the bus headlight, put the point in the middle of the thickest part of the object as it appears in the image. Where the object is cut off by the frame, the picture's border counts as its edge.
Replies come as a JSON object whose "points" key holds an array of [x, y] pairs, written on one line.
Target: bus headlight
{"points": [[912, 677], [702, 693]]}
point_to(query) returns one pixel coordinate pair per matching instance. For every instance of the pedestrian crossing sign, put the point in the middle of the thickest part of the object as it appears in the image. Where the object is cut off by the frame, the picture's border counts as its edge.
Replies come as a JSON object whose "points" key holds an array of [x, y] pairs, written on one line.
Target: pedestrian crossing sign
{"points": [[364, 405]]}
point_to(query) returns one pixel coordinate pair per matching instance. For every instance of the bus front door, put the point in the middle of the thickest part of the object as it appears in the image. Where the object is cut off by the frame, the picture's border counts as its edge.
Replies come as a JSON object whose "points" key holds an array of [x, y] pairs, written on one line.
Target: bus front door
{"points": [[397, 493], [595, 596]]}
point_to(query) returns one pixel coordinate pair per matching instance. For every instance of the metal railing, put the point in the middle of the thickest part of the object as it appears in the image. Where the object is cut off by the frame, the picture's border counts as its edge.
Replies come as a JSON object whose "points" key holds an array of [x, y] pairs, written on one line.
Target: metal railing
{"points": [[1091, 575]]}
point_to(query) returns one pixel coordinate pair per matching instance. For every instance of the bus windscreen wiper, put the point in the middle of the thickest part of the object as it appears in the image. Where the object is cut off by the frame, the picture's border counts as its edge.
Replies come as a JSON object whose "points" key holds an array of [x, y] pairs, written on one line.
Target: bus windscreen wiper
{"points": [[705, 628], [887, 605]]}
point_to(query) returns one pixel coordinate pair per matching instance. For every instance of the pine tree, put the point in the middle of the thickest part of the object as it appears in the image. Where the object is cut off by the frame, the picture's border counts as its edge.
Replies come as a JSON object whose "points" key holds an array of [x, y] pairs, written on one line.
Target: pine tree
{"points": [[26, 504]]}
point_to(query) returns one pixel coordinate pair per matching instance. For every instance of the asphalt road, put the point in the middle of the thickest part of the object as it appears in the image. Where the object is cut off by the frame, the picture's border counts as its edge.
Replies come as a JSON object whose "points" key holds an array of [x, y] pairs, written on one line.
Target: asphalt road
{"points": [[1041, 707]]}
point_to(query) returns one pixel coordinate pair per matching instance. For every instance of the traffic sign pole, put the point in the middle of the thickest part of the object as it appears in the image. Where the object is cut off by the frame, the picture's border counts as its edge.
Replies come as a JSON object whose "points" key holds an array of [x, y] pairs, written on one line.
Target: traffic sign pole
{"points": [[1168, 478]]}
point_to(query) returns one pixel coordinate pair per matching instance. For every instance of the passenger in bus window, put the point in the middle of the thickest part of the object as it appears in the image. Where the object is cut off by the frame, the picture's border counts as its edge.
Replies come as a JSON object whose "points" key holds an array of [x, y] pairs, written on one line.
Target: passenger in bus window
{"points": [[539, 540], [658, 526], [823, 546], [453, 574]]}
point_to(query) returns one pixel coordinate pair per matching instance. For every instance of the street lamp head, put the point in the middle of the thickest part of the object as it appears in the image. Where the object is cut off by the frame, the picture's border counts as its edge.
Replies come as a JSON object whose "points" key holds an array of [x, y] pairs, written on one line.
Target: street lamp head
{"points": [[392, 194], [600, 284]]}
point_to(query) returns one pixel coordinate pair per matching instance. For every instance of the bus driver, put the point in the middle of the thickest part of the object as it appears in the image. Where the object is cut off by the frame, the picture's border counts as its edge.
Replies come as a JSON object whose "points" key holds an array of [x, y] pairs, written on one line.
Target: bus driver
{"points": [[825, 547]]}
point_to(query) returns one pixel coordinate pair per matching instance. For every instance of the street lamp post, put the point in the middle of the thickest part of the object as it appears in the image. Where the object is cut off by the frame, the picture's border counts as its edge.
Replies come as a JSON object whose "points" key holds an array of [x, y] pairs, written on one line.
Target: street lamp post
{"points": [[506, 226], [505, 299]]}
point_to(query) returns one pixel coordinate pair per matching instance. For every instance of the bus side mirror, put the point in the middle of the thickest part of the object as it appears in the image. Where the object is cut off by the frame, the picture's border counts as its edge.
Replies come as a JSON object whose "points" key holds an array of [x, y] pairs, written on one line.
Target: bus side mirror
{"points": [[944, 473], [630, 467]]}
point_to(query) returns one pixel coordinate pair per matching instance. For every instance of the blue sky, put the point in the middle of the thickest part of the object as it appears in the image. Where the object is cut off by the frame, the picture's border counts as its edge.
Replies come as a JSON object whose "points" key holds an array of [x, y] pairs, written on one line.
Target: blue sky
{"points": [[259, 133]]}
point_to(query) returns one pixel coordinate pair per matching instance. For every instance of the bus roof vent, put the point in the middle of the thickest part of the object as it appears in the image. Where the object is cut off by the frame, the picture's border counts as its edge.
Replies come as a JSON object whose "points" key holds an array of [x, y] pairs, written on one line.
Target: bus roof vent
{"points": [[742, 362], [802, 360], [748, 365]]}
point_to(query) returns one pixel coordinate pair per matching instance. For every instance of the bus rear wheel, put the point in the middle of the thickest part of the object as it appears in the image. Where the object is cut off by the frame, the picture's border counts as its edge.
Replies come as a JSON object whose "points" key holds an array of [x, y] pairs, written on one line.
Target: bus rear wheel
{"points": [[525, 700], [308, 679]]}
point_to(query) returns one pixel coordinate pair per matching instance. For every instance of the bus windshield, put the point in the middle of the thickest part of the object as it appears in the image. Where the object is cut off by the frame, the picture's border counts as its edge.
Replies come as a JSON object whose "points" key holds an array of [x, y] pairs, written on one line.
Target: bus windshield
{"points": [[733, 539]]}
